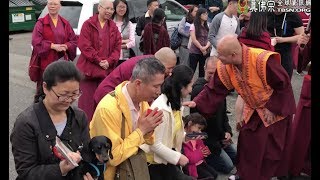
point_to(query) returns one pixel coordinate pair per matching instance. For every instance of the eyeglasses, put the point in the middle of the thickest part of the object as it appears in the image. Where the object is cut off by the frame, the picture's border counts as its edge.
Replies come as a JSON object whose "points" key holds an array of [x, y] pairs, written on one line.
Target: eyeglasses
{"points": [[63, 98], [122, 7], [107, 8]]}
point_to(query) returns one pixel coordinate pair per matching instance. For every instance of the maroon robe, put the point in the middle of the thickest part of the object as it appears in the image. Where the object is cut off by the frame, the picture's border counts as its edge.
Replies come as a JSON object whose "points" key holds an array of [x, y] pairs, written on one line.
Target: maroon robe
{"points": [[300, 156], [261, 151], [264, 41], [121, 73], [44, 33], [96, 44], [149, 44]]}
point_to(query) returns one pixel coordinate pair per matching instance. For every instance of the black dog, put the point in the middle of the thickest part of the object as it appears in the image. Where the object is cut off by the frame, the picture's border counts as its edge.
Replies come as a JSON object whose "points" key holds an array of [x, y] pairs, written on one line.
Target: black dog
{"points": [[95, 156]]}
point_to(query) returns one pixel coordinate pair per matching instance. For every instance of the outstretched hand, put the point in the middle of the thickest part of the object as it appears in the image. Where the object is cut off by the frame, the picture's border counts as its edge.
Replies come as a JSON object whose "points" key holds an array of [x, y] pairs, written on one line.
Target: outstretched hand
{"points": [[190, 104]]}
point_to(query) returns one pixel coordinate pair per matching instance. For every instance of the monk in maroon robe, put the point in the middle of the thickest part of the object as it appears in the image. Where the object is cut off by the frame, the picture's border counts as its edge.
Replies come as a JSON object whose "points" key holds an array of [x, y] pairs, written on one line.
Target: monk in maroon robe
{"points": [[300, 155], [53, 38], [266, 89], [100, 46]]}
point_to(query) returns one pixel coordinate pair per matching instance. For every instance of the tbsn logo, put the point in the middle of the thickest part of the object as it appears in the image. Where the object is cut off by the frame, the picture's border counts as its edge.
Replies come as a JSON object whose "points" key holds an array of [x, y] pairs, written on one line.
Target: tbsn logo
{"points": [[279, 5]]}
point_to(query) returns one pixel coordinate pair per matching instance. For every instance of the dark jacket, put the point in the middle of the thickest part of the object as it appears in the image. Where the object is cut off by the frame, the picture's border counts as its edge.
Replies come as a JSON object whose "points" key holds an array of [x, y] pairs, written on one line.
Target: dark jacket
{"points": [[217, 125], [143, 21], [210, 3], [33, 136], [158, 37]]}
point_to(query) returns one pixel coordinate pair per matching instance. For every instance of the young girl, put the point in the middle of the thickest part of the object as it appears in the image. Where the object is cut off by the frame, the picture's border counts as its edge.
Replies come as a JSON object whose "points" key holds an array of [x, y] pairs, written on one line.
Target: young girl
{"points": [[195, 150]]}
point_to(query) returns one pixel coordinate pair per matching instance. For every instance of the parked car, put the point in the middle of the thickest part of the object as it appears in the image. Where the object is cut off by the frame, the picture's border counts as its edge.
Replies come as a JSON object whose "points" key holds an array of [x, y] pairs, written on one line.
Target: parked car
{"points": [[78, 11]]}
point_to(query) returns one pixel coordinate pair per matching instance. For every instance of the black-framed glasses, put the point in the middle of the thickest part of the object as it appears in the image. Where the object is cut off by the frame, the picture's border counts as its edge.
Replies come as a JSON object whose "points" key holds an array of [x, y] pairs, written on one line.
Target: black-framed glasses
{"points": [[67, 97]]}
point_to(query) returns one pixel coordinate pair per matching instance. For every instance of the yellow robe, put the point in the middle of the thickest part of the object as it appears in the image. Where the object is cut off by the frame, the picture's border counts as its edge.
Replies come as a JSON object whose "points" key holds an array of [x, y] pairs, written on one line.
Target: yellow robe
{"points": [[107, 121]]}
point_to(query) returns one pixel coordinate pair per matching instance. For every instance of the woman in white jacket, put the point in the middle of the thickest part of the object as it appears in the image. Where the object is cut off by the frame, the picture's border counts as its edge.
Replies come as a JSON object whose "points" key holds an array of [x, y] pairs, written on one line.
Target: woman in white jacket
{"points": [[164, 156]]}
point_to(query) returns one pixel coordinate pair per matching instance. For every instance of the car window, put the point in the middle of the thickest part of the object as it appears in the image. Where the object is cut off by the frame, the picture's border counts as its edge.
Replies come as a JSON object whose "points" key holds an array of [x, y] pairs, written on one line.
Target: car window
{"points": [[173, 11], [136, 9], [69, 10]]}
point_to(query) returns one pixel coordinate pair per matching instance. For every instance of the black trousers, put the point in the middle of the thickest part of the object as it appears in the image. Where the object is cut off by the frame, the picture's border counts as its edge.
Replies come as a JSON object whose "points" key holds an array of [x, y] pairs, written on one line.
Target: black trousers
{"points": [[205, 171], [167, 172], [194, 59]]}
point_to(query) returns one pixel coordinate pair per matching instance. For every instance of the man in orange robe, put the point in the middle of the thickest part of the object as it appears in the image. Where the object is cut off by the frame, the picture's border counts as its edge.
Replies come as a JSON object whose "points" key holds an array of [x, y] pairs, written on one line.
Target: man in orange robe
{"points": [[257, 75]]}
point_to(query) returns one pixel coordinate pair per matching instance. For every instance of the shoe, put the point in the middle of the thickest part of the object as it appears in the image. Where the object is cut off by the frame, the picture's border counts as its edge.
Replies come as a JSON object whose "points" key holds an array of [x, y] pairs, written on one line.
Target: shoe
{"points": [[234, 177]]}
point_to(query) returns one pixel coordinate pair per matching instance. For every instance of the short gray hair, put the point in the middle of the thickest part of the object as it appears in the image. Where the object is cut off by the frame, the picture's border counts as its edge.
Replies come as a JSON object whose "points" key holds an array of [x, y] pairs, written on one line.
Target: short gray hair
{"points": [[101, 2], [146, 69]]}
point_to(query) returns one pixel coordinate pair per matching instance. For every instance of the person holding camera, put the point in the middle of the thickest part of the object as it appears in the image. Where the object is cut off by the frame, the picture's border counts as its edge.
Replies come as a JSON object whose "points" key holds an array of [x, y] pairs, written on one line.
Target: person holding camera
{"points": [[219, 130], [195, 149]]}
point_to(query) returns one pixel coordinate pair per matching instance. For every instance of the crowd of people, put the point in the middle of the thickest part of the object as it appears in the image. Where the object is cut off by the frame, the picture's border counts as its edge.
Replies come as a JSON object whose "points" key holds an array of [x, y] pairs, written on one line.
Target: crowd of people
{"points": [[138, 101]]}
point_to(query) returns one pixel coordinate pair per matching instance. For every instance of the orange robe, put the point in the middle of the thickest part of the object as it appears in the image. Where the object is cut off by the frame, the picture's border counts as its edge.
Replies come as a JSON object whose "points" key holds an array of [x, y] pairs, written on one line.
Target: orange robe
{"points": [[262, 148]]}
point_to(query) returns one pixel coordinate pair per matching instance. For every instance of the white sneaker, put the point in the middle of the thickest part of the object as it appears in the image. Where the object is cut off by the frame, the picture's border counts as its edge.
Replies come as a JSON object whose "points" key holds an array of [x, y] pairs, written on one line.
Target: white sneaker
{"points": [[233, 177]]}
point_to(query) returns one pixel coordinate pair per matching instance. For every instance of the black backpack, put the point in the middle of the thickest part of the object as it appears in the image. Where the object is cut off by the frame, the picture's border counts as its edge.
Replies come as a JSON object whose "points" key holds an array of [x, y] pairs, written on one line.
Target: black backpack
{"points": [[176, 39]]}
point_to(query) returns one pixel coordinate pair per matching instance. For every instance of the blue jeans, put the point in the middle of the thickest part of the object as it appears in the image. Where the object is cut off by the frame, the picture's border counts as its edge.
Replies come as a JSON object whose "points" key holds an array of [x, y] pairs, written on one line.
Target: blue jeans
{"points": [[224, 162]]}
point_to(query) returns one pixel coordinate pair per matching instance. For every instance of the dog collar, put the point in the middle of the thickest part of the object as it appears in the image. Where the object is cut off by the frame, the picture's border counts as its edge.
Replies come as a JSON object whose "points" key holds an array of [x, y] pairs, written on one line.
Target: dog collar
{"points": [[97, 169]]}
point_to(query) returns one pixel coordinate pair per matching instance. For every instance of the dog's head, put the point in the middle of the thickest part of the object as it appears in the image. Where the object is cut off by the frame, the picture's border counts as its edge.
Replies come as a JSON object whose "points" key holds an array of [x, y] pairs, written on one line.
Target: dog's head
{"points": [[101, 146]]}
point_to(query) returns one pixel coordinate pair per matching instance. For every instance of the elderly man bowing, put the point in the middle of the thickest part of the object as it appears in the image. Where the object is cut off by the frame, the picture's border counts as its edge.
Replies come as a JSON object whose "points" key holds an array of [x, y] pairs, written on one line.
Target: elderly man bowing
{"points": [[258, 77]]}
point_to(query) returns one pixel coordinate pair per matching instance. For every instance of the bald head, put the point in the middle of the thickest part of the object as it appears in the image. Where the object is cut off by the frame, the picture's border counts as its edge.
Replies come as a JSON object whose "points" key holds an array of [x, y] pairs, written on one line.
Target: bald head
{"points": [[229, 50], [167, 57], [228, 44]]}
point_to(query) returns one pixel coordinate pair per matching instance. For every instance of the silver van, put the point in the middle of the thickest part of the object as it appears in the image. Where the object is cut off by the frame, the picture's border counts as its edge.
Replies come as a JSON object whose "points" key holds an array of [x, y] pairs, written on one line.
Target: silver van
{"points": [[78, 11]]}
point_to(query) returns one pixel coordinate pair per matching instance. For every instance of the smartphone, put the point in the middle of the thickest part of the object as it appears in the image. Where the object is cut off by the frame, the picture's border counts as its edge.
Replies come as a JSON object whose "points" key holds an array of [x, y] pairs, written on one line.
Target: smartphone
{"points": [[195, 134], [149, 111]]}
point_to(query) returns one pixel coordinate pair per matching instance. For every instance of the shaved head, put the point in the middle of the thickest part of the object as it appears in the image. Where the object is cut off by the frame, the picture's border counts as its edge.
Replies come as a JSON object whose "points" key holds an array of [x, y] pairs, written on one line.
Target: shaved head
{"points": [[228, 44], [167, 57], [229, 50]]}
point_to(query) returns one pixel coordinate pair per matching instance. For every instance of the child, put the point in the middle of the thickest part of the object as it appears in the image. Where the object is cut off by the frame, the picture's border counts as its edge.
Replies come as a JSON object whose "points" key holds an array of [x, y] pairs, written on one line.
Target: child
{"points": [[195, 149]]}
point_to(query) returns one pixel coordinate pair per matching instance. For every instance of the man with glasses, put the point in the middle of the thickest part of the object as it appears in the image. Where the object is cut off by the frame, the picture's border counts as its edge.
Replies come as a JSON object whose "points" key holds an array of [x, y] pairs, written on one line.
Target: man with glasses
{"points": [[100, 46], [269, 105]]}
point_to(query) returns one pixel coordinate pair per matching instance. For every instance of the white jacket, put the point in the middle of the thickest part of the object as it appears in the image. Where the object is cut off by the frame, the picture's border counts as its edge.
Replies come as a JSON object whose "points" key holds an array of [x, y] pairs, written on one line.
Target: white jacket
{"points": [[162, 147]]}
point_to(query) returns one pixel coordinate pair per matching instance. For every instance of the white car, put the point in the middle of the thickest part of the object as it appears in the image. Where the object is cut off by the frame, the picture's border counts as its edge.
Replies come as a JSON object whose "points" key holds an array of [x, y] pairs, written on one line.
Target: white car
{"points": [[78, 11]]}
